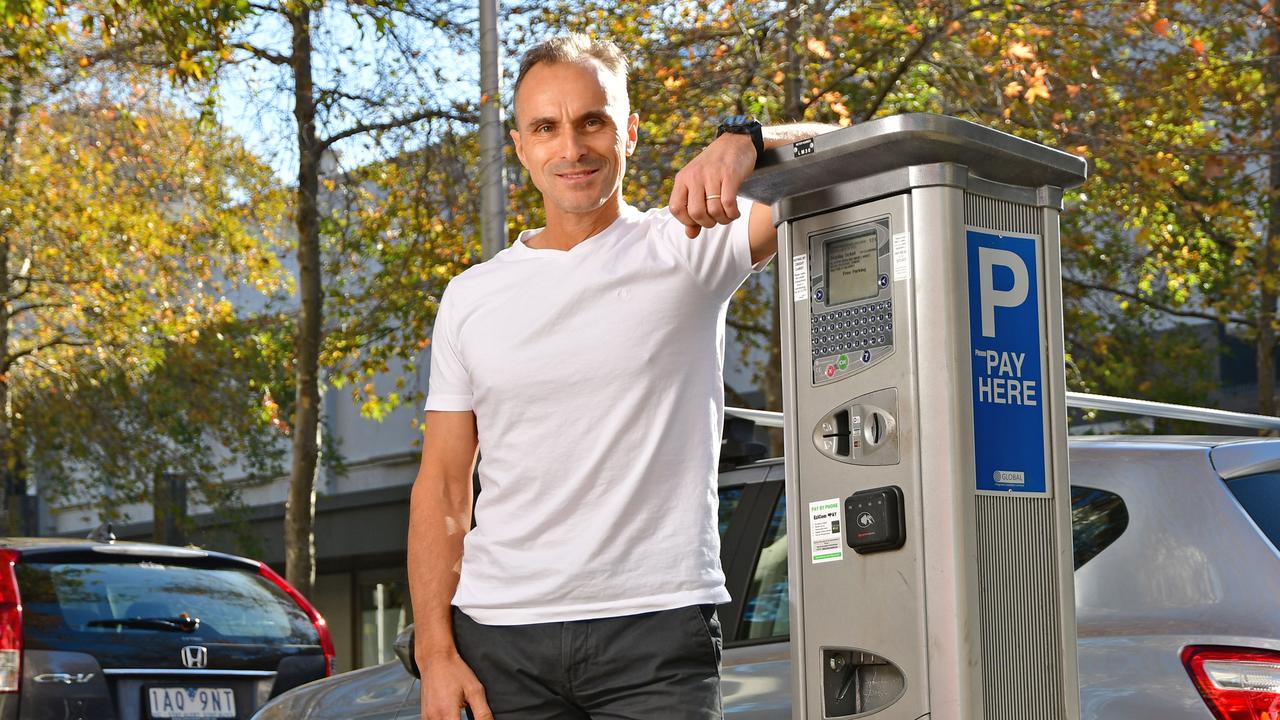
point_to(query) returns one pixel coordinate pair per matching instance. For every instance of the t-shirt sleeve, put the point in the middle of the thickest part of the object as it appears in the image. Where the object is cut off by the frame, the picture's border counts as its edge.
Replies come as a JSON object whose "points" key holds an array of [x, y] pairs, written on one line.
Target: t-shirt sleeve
{"points": [[450, 385], [719, 258]]}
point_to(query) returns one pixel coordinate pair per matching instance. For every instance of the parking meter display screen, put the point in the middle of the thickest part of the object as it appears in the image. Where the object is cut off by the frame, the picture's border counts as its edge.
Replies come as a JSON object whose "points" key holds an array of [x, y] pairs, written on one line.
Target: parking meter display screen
{"points": [[851, 268]]}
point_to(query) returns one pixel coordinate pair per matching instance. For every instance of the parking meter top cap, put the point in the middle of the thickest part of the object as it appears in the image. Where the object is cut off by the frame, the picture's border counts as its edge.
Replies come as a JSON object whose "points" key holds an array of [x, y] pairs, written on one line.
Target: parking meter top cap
{"points": [[912, 139]]}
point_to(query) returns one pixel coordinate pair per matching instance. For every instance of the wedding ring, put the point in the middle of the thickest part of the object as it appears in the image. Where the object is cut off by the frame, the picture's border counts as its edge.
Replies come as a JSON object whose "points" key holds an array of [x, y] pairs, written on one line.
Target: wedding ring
{"points": [[713, 197]]}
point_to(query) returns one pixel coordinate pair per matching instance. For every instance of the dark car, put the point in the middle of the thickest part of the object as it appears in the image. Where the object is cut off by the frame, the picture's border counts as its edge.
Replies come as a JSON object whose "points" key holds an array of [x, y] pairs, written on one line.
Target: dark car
{"points": [[1177, 575], [132, 631]]}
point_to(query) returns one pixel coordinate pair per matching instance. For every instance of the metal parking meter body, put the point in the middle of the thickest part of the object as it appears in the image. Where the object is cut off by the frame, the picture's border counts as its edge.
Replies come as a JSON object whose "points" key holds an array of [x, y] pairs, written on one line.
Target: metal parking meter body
{"points": [[924, 395]]}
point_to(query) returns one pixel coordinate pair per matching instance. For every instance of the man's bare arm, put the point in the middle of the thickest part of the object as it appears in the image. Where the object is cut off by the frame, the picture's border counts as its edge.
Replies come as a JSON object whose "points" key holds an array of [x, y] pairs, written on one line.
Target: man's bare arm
{"points": [[439, 517], [720, 170]]}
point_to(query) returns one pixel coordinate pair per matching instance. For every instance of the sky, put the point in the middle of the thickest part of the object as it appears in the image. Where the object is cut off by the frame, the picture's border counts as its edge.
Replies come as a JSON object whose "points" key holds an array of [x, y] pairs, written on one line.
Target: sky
{"points": [[255, 98]]}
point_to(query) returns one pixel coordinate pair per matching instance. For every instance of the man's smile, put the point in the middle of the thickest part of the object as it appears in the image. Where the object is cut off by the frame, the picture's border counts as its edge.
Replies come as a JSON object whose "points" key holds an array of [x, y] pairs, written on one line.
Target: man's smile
{"points": [[574, 176]]}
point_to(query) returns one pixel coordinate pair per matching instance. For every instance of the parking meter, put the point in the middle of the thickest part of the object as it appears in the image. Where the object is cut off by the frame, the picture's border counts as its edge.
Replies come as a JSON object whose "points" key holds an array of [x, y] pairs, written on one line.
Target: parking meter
{"points": [[925, 432]]}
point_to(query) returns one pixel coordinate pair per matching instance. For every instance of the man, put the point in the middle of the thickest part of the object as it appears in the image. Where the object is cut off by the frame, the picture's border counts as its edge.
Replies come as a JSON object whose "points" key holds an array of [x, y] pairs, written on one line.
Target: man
{"points": [[585, 361]]}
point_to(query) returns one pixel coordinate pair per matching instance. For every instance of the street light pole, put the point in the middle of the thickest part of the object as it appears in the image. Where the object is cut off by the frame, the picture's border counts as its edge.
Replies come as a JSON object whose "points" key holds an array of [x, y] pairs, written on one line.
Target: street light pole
{"points": [[493, 196]]}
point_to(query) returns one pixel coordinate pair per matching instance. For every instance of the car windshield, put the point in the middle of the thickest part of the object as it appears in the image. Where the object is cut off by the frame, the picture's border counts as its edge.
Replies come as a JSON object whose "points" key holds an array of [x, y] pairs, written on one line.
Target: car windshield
{"points": [[1259, 495], [152, 597]]}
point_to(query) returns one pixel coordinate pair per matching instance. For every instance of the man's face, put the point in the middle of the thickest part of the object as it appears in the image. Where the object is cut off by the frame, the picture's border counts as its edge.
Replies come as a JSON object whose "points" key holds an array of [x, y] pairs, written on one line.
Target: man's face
{"points": [[574, 134]]}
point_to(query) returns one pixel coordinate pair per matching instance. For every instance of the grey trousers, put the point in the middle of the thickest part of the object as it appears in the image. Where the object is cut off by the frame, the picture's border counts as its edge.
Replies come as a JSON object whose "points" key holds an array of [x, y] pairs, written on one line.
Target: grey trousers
{"points": [[654, 666]]}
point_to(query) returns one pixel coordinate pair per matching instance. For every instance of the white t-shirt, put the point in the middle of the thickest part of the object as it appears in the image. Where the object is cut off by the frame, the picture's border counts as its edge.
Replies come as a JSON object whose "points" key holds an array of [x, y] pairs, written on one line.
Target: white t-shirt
{"points": [[595, 375]]}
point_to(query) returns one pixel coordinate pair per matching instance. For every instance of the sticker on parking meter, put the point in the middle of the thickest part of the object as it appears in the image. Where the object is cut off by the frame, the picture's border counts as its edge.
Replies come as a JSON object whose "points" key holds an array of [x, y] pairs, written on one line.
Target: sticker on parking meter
{"points": [[825, 540], [800, 276], [1006, 351], [902, 256]]}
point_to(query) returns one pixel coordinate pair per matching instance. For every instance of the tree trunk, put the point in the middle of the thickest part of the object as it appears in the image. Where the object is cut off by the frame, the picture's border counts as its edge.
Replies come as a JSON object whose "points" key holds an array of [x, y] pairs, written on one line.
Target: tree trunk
{"points": [[1267, 270], [792, 92], [169, 508], [10, 466], [300, 509]]}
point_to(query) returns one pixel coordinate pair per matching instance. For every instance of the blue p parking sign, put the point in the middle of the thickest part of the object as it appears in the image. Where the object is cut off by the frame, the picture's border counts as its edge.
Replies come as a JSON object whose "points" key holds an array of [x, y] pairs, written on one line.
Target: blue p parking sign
{"points": [[1006, 351]]}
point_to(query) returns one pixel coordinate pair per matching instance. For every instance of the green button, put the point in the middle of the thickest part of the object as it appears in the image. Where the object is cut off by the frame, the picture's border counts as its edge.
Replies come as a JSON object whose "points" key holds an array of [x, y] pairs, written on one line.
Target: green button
{"points": [[843, 362]]}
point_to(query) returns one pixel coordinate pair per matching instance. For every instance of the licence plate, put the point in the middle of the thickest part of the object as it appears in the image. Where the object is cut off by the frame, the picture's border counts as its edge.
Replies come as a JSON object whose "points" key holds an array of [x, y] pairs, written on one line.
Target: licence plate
{"points": [[192, 702]]}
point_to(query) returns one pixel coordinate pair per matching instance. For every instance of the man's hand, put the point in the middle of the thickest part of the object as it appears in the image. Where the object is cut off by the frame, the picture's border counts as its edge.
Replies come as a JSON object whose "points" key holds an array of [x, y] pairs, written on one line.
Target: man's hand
{"points": [[448, 685], [706, 190]]}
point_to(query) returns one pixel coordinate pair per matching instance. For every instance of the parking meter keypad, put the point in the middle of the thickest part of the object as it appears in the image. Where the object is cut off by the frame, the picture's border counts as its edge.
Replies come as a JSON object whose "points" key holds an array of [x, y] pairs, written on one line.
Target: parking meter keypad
{"points": [[852, 329]]}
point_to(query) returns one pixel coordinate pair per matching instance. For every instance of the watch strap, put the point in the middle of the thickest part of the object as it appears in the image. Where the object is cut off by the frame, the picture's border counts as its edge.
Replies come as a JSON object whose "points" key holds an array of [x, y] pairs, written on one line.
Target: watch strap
{"points": [[744, 125]]}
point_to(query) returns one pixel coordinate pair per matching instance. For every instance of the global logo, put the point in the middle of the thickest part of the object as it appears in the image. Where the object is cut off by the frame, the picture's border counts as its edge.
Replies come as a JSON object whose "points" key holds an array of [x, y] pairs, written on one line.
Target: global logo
{"points": [[1009, 477]]}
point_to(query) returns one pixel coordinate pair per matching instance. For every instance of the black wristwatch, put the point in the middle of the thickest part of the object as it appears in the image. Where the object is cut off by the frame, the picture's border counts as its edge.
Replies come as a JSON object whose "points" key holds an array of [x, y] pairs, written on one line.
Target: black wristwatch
{"points": [[744, 125]]}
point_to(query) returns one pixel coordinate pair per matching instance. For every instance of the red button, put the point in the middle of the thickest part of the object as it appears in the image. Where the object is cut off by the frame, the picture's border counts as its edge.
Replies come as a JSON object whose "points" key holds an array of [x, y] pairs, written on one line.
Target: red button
{"points": [[831, 370]]}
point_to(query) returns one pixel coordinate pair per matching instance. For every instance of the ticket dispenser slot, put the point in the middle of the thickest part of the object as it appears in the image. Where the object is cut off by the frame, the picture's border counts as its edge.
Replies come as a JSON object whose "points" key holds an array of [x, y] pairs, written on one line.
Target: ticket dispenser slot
{"points": [[856, 682]]}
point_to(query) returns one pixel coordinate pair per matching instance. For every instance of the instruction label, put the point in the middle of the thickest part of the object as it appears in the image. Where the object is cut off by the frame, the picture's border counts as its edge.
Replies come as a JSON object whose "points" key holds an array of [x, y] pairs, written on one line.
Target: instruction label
{"points": [[902, 256], [800, 277], [825, 540], [1006, 351]]}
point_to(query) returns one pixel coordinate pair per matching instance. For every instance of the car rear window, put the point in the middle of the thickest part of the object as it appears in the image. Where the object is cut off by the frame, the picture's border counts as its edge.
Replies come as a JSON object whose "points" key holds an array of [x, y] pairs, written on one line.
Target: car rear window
{"points": [[1259, 495], [1098, 518], [233, 605]]}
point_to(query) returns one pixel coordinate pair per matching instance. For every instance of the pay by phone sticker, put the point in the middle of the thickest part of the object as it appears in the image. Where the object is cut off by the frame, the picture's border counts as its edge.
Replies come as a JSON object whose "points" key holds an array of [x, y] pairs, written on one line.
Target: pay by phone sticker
{"points": [[800, 277], [1006, 348], [825, 539], [902, 256]]}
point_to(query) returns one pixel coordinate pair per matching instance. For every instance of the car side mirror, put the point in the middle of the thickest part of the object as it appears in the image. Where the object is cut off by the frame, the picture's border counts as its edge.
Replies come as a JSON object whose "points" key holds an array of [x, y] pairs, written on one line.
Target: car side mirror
{"points": [[404, 650]]}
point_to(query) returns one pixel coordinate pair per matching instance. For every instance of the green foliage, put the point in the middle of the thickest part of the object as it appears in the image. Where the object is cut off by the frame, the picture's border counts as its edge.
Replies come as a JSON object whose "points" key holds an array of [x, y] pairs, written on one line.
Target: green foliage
{"points": [[185, 38], [397, 214], [399, 231], [126, 226], [209, 409]]}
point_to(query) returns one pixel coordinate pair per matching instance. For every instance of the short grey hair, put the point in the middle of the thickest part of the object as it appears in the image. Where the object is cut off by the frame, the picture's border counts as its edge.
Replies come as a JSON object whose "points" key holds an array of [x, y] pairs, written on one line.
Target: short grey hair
{"points": [[572, 48]]}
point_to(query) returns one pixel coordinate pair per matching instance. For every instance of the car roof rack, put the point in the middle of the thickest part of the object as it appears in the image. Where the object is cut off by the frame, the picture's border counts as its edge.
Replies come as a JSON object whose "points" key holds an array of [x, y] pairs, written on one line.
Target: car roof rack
{"points": [[1128, 406]]}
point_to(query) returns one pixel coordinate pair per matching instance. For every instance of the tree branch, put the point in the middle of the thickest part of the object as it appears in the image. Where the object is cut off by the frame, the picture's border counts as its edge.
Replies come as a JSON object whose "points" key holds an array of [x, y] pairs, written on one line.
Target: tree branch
{"points": [[59, 341], [263, 53], [747, 327], [1156, 305], [18, 310], [361, 128]]}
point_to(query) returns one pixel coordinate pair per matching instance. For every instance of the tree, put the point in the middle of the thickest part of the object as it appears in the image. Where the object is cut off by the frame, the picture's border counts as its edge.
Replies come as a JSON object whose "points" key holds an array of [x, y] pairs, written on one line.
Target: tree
{"points": [[205, 412], [400, 230], [183, 38], [357, 72], [1183, 123], [123, 225]]}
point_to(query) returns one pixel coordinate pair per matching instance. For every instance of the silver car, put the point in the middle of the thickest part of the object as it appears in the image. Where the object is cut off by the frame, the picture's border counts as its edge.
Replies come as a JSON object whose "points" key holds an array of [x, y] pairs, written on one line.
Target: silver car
{"points": [[1177, 590]]}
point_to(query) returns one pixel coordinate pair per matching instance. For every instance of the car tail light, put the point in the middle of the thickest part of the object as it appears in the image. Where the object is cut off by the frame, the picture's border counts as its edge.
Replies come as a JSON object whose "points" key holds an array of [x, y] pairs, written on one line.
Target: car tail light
{"points": [[10, 624], [1236, 683], [326, 640]]}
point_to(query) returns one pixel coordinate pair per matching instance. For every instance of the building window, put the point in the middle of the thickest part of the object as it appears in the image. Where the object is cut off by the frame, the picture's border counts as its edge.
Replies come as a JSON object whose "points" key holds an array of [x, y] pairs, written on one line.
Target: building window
{"points": [[384, 612]]}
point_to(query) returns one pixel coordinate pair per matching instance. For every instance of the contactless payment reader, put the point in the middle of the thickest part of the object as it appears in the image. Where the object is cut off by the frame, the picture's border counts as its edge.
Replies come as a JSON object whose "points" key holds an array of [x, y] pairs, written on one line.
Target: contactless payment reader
{"points": [[925, 421]]}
